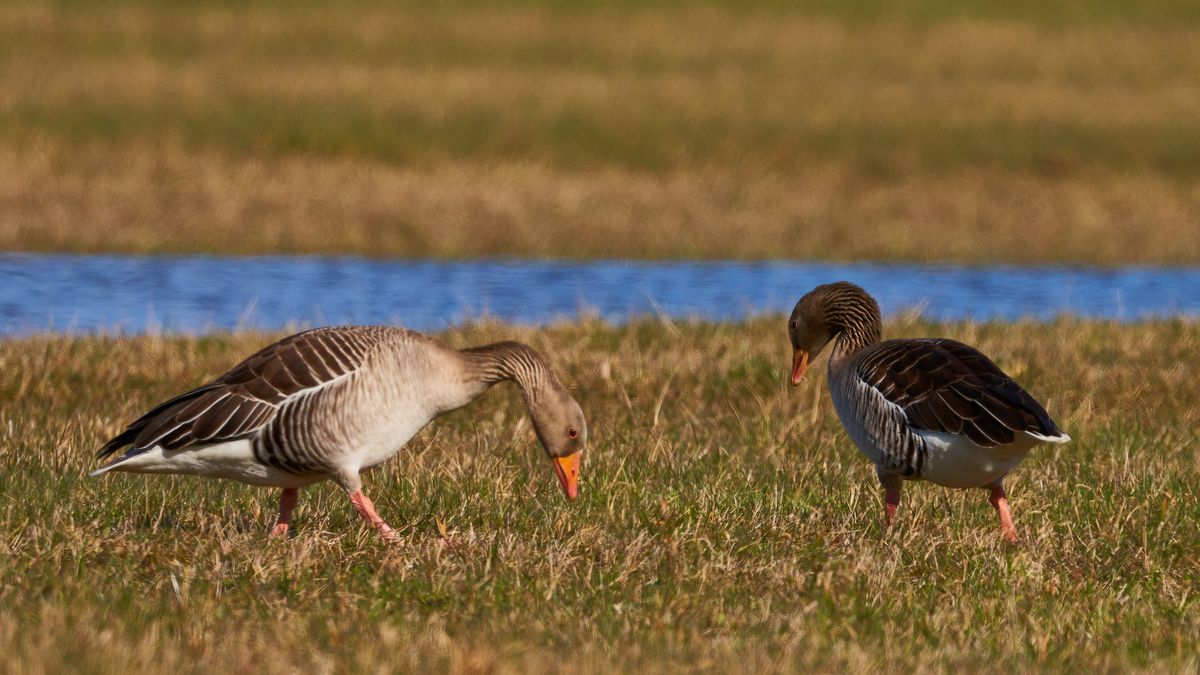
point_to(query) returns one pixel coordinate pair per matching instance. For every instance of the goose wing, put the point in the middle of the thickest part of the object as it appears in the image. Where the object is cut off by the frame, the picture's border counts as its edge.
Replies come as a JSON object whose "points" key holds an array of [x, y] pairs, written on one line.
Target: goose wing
{"points": [[946, 386], [249, 397]]}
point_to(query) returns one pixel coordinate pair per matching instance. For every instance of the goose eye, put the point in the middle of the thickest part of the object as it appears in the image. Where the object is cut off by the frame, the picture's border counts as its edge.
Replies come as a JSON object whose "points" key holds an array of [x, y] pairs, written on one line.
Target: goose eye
{"points": [[573, 432], [792, 324]]}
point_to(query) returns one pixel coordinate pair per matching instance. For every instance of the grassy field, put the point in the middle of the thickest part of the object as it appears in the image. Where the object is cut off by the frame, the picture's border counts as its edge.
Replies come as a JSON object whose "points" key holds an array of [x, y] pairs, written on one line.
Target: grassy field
{"points": [[726, 522], [920, 130]]}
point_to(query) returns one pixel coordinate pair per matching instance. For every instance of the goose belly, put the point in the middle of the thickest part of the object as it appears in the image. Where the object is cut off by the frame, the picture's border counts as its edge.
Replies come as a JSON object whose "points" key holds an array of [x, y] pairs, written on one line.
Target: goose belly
{"points": [[954, 461], [233, 460], [382, 444]]}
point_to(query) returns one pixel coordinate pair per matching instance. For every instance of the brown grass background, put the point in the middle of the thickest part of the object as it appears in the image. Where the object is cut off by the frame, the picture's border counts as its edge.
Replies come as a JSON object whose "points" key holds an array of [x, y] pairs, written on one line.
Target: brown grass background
{"points": [[648, 130]]}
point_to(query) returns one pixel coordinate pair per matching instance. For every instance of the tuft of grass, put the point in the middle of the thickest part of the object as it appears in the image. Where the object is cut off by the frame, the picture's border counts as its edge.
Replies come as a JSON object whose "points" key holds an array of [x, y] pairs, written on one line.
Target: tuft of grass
{"points": [[726, 522]]}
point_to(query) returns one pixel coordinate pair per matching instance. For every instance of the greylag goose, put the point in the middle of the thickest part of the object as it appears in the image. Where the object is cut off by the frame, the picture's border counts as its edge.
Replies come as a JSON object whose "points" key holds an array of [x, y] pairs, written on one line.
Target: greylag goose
{"points": [[332, 402], [927, 409]]}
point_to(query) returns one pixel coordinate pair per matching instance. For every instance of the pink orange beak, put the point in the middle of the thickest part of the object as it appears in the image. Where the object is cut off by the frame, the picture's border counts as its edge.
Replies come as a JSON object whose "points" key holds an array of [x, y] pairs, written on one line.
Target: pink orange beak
{"points": [[567, 469], [799, 365]]}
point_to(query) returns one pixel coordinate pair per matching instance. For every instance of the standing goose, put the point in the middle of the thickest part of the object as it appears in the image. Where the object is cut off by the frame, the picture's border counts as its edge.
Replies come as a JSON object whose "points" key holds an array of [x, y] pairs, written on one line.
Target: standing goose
{"points": [[931, 408], [332, 402]]}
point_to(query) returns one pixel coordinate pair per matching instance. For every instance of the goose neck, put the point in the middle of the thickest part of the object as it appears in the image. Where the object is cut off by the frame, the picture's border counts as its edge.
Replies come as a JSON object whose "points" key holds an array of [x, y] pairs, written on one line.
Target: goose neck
{"points": [[503, 361]]}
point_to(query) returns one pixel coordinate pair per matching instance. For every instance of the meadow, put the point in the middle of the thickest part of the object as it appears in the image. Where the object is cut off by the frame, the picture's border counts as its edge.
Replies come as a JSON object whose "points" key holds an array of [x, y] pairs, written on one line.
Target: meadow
{"points": [[917, 130], [726, 523]]}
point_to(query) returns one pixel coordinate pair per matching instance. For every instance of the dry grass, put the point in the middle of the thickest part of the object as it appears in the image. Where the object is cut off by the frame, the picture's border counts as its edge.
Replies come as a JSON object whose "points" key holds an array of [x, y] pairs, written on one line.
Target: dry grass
{"points": [[172, 200], [726, 522], [934, 131]]}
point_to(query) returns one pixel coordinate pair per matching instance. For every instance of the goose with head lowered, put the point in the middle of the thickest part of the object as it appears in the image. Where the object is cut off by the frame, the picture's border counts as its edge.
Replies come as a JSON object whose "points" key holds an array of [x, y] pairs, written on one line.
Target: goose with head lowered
{"points": [[922, 409], [330, 403]]}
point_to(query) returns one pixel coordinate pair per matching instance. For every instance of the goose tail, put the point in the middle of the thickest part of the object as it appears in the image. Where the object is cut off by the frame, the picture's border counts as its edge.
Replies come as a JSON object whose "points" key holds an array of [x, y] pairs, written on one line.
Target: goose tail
{"points": [[1058, 438]]}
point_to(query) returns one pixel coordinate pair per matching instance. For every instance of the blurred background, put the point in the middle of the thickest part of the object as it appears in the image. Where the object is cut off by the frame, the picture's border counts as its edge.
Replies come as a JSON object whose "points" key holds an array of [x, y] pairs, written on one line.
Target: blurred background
{"points": [[920, 131]]}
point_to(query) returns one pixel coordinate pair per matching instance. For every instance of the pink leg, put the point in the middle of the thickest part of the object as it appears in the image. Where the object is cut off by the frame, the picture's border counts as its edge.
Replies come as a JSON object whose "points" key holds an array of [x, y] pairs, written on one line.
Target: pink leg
{"points": [[891, 502], [1000, 502], [366, 509], [287, 502]]}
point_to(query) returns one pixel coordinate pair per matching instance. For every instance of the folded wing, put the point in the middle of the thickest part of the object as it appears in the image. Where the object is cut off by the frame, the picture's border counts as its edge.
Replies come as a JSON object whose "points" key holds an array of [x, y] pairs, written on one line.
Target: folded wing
{"points": [[946, 386], [243, 401]]}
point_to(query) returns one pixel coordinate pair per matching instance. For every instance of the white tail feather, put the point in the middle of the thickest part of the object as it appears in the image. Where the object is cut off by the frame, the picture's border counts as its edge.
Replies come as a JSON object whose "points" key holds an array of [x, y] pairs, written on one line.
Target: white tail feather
{"points": [[1061, 438]]}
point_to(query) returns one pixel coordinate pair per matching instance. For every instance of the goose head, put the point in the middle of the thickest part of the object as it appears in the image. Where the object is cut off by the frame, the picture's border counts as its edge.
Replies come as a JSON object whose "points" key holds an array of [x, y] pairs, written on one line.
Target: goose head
{"points": [[557, 418], [824, 313], [562, 430]]}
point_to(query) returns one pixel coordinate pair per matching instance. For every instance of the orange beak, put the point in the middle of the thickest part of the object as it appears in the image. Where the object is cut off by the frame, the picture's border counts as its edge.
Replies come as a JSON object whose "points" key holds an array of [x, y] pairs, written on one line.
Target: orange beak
{"points": [[799, 365], [567, 469]]}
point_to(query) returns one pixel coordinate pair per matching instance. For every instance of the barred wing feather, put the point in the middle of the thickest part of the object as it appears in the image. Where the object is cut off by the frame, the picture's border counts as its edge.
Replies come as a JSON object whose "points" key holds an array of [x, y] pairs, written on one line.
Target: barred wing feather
{"points": [[245, 400], [946, 386]]}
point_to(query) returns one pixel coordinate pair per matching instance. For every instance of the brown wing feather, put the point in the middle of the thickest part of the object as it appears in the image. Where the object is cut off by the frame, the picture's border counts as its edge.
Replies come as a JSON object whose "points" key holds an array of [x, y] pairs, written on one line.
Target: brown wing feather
{"points": [[947, 386], [247, 398]]}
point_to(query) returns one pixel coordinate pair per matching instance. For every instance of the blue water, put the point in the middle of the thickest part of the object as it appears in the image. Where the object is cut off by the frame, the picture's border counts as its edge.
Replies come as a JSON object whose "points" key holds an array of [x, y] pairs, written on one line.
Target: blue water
{"points": [[201, 293]]}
